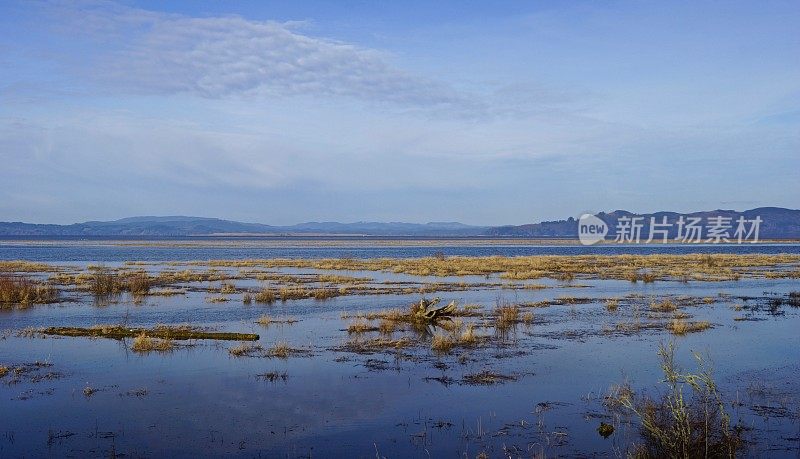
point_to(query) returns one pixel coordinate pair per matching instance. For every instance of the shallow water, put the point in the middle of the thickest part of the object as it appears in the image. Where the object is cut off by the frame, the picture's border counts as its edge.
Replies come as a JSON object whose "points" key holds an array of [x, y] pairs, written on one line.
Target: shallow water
{"points": [[200, 400]]}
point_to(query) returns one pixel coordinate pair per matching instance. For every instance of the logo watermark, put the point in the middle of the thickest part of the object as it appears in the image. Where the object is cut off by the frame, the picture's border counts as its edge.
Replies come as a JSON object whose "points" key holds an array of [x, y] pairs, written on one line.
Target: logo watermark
{"points": [[693, 230], [591, 229]]}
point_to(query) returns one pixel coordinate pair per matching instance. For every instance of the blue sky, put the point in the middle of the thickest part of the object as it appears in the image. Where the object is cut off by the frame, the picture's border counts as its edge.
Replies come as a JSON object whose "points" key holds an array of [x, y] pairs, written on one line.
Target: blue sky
{"points": [[479, 112]]}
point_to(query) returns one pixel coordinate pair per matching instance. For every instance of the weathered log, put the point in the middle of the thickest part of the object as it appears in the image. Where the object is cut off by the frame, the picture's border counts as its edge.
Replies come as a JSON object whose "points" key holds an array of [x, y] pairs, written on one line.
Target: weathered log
{"points": [[424, 310], [163, 332]]}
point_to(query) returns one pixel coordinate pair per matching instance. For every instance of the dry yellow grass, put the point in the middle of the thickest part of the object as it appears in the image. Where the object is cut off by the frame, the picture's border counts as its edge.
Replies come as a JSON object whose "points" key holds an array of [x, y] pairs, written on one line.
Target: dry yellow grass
{"points": [[506, 316], [265, 296], [227, 287], [244, 349], [292, 293], [468, 336], [281, 350], [145, 344], [689, 266], [682, 327], [663, 306], [442, 343], [360, 326], [387, 327], [24, 291]]}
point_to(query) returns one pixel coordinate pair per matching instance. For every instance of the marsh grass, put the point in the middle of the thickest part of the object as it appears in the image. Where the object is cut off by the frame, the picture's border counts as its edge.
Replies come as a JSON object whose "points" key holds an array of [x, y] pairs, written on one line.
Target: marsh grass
{"points": [[247, 298], [442, 343], [380, 344], [663, 306], [265, 296], [102, 281], [227, 287], [468, 336], [245, 349], [293, 293], [680, 326], [324, 293], [266, 320], [487, 378], [24, 291], [612, 304], [714, 267], [689, 420], [217, 299], [273, 376], [3, 370], [281, 350], [506, 316], [144, 344], [360, 325]]}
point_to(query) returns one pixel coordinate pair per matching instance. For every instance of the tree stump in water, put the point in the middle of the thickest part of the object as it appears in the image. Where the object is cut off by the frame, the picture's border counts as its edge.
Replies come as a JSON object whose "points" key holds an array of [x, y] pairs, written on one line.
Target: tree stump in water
{"points": [[424, 311]]}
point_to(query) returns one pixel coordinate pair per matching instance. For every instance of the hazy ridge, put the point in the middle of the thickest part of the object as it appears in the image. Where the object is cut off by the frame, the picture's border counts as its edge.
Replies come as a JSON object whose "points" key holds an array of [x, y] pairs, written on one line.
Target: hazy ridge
{"points": [[778, 223]]}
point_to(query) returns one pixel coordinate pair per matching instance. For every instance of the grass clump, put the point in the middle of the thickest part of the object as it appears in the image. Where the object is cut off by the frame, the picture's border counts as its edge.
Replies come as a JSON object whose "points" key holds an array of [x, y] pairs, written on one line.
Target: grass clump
{"points": [[144, 344], [442, 343], [3, 370], [324, 293], [266, 320], [689, 419], [468, 336], [247, 298], [292, 293], [506, 316], [663, 306], [24, 291], [265, 296], [281, 350], [487, 378], [273, 376], [244, 349], [360, 326], [612, 304], [682, 327]]}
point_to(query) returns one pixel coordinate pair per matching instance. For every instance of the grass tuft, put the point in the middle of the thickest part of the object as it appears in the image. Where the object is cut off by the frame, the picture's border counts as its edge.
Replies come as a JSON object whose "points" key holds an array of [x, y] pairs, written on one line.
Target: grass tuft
{"points": [[144, 344]]}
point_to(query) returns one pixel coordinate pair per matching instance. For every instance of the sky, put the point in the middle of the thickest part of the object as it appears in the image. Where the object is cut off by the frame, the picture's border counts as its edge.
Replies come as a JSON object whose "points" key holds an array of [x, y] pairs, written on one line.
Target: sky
{"points": [[485, 113]]}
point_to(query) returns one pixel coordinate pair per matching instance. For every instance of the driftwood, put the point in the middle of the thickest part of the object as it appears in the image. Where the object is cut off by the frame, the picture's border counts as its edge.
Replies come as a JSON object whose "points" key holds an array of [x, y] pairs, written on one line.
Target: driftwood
{"points": [[163, 332], [424, 311]]}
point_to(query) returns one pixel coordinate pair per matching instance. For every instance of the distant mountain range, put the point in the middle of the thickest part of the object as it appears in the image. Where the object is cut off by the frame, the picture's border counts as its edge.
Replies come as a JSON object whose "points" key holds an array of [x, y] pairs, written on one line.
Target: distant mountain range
{"points": [[777, 223], [199, 226]]}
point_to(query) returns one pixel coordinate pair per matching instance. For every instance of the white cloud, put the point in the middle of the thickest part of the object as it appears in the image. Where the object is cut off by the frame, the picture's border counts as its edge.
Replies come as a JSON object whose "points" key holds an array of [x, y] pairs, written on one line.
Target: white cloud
{"points": [[214, 57]]}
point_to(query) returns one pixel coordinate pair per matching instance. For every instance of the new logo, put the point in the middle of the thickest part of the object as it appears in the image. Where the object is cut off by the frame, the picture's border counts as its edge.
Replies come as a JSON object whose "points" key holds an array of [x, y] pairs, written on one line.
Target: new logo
{"points": [[591, 229]]}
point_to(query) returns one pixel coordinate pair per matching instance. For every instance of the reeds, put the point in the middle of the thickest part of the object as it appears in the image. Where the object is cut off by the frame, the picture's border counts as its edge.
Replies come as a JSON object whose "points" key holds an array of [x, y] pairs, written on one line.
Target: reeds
{"points": [[442, 343], [265, 296], [145, 344], [360, 325], [688, 421], [682, 327], [24, 291]]}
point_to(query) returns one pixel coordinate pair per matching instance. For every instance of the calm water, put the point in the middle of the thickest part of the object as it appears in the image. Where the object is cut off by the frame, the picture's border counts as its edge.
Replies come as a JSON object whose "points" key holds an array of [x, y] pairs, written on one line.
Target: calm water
{"points": [[201, 401]]}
